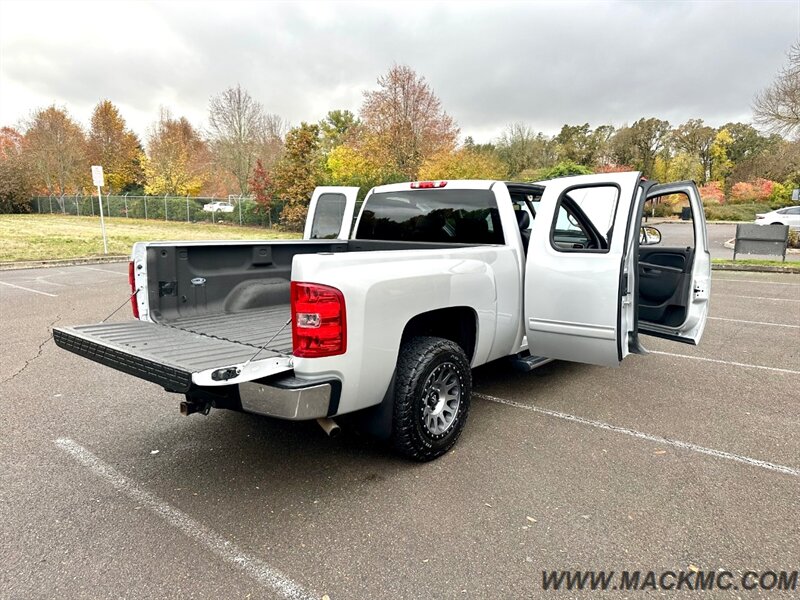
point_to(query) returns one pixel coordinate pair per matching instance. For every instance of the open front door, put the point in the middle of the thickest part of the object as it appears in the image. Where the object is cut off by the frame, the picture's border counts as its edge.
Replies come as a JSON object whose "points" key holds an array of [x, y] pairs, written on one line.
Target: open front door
{"points": [[674, 270], [578, 289], [330, 214]]}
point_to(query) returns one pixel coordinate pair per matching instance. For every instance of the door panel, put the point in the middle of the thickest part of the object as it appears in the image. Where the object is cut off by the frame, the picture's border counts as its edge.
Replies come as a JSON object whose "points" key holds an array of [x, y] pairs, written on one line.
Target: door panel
{"points": [[675, 283], [577, 296], [664, 280], [330, 213]]}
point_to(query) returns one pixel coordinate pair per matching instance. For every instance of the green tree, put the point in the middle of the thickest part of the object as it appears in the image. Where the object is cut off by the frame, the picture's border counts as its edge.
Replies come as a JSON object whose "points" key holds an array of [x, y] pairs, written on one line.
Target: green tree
{"points": [[578, 144], [113, 146], [695, 139], [336, 127], [523, 149], [565, 169], [298, 172], [747, 142], [648, 136]]}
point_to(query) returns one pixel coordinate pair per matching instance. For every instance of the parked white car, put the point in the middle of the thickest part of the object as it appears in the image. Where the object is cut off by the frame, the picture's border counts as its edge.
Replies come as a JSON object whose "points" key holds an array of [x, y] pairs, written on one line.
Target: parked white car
{"points": [[783, 216], [216, 207]]}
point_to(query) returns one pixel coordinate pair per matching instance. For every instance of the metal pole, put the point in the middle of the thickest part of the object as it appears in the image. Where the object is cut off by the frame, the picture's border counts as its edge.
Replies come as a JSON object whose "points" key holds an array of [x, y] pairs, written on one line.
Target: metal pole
{"points": [[240, 211], [63, 204], [77, 208], [165, 207], [102, 220], [126, 204], [39, 204], [108, 203], [50, 200], [187, 208], [145, 208]]}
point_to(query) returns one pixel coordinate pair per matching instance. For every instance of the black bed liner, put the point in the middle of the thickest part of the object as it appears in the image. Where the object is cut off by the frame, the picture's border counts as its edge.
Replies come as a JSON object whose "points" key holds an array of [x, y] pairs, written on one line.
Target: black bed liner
{"points": [[168, 354]]}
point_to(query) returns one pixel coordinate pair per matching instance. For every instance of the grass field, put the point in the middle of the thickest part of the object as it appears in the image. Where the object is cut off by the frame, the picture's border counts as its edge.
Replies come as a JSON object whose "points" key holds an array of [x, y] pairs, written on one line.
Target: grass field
{"points": [[755, 262], [43, 237]]}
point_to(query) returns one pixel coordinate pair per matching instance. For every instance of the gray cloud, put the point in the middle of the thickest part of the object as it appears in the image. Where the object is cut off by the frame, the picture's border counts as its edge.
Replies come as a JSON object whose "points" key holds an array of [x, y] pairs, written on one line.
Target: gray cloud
{"points": [[491, 64]]}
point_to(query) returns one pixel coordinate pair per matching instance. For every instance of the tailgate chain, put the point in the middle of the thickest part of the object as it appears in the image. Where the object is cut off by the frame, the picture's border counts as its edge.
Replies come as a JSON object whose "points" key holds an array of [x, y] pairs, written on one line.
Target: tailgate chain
{"points": [[116, 310]]}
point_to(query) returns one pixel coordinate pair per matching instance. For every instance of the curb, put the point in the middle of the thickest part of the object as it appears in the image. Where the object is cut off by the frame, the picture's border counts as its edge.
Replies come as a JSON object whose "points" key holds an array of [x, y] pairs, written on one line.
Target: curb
{"points": [[70, 262]]}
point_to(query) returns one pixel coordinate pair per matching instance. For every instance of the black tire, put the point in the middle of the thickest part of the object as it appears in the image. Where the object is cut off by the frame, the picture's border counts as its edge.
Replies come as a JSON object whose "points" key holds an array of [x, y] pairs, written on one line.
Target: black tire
{"points": [[426, 366]]}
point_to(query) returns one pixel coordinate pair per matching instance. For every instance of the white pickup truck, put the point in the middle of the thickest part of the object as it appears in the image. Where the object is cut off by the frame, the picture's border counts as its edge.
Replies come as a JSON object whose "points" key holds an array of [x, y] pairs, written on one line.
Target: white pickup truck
{"points": [[386, 322]]}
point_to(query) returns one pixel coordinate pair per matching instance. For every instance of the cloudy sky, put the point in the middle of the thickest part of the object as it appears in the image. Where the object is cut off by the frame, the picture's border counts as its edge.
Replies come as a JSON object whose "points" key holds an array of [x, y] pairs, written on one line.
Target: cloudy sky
{"points": [[491, 63]]}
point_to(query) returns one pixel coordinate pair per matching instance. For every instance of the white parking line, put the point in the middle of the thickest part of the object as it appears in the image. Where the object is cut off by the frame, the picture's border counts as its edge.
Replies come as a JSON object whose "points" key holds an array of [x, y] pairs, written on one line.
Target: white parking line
{"points": [[755, 322], [725, 362], [105, 271], [224, 549], [763, 298], [756, 281], [19, 287], [753, 462]]}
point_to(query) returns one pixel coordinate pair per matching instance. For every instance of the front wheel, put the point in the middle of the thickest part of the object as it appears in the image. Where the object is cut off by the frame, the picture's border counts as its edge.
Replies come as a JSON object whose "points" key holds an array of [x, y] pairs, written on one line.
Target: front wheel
{"points": [[433, 385]]}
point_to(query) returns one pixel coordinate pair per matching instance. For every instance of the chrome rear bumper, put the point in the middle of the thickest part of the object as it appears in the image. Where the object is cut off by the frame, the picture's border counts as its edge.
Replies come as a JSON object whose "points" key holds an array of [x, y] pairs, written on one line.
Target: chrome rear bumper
{"points": [[290, 398]]}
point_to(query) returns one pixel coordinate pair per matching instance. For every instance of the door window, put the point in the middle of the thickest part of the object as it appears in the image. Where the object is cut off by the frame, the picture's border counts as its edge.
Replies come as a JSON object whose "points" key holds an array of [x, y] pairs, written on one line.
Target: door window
{"points": [[584, 219], [328, 216]]}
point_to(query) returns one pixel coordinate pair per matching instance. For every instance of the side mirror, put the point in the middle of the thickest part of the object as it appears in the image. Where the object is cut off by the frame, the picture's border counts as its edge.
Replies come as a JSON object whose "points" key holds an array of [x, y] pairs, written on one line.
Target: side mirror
{"points": [[649, 236]]}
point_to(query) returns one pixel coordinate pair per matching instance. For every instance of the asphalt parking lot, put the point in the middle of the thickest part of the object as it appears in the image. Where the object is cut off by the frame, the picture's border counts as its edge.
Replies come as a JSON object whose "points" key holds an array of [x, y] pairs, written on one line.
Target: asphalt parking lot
{"points": [[687, 458]]}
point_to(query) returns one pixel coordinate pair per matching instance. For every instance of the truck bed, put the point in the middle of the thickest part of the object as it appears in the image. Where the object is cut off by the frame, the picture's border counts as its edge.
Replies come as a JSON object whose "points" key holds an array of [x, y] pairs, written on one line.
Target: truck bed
{"points": [[169, 353], [251, 328]]}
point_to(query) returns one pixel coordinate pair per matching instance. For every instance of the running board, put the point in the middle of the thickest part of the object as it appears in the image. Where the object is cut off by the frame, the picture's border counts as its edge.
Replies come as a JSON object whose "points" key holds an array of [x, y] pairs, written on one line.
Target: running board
{"points": [[528, 363]]}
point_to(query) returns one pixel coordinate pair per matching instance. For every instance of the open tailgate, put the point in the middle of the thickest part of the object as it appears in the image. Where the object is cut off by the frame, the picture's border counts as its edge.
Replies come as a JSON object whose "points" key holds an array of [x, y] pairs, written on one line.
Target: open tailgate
{"points": [[171, 357]]}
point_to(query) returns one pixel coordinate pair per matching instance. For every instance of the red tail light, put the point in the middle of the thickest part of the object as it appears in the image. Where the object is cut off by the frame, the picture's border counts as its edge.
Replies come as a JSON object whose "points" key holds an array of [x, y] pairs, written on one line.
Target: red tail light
{"points": [[132, 281], [426, 185], [319, 324]]}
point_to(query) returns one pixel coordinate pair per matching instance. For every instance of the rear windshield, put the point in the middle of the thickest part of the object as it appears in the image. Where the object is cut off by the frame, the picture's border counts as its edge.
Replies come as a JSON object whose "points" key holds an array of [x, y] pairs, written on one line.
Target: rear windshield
{"points": [[444, 216]]}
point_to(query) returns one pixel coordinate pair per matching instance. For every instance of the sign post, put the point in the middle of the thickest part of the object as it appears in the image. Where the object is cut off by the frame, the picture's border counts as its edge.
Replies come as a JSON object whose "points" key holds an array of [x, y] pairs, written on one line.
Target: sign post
{"points": [[97, 179]]}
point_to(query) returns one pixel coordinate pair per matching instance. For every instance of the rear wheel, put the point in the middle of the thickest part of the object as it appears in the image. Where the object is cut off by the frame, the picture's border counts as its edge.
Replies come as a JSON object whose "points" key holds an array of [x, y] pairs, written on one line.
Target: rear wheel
{"points": [[432, 392]]}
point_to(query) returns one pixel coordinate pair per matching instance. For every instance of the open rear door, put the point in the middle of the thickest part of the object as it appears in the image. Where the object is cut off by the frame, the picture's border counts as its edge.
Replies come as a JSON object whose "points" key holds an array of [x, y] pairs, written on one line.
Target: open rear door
{"points": [[674, 272], [578, 289], [330, 214]]}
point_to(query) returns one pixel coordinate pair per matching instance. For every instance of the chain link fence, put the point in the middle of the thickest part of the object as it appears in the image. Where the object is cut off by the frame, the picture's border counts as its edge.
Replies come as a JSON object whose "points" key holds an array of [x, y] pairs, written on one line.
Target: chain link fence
{"points": [[233, 209]]}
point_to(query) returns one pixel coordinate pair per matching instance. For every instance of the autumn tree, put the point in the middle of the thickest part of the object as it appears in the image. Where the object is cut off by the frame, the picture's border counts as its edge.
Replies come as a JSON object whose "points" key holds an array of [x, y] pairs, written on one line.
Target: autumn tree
{"points": [[648, 137], [16, 184], [262, 188], [242, 132], [407, 118], [777, 108], [177, 158], [722, 163], [298, 172], [464, 163], [113, 146], [56, 148]]}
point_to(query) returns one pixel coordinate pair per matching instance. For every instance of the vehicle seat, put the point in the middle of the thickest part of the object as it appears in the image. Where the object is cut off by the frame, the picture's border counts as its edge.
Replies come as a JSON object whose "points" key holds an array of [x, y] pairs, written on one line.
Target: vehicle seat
{"points": [[524, 222]]}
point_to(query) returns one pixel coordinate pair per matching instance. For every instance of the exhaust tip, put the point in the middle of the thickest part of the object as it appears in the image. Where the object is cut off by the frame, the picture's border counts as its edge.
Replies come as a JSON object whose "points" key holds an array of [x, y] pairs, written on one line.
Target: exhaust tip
{"points": [[329, 426]]}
